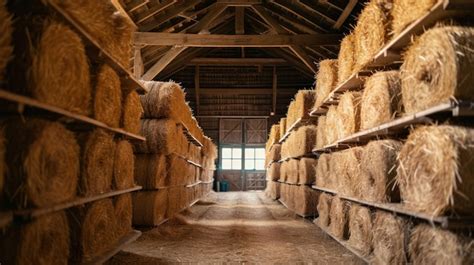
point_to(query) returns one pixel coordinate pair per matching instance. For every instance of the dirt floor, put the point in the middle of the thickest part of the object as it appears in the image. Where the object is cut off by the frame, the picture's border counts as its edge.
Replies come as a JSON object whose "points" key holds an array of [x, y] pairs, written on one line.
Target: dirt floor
{"points": [[236, 227]]}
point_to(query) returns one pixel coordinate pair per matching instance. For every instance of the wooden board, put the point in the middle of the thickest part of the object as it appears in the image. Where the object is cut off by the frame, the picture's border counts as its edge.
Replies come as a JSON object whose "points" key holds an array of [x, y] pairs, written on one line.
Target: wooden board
{"points": [[191, 138], [298, 123], [35, 105], [124, 241]]}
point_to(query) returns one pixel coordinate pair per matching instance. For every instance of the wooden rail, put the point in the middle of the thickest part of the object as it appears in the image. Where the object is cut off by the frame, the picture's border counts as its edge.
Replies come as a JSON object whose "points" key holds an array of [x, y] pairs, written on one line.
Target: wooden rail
{"points": [[124, 241]]}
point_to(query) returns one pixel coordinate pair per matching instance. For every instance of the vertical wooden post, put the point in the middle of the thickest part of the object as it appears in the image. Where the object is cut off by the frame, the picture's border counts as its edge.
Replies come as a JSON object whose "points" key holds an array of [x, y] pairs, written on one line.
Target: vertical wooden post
{"points": [[138, 63]]}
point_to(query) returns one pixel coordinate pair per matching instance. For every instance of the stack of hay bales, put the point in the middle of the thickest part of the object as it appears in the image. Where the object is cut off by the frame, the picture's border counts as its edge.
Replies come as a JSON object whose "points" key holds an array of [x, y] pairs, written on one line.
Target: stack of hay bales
{"points": [[169, 180], [300, 142], [48, 165], [326, 81], [299, 108]]}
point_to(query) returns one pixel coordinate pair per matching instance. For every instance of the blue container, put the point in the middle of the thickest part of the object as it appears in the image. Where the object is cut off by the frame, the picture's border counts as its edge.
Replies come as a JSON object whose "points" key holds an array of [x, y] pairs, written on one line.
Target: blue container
{"points": [[224, 186]]}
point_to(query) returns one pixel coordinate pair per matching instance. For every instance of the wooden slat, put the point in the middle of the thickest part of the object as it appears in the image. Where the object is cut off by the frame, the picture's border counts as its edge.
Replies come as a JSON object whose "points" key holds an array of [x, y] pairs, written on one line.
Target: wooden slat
{"points": [[239, 2], [169, 14], [345, 14], [155, 10], [122, 11], [237, 61], [138, 67], [136, 4], [239, 20]]}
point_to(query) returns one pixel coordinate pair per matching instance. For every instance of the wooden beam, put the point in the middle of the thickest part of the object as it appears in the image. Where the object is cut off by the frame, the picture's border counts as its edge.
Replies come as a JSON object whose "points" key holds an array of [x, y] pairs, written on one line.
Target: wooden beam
{"points": [[170, 13], [155, 10], [204, 23], [239, 2], [122, 11], [244, 91], [136, 4], [197, 87], [138, 67], [293, 7], [239, 20], [237, 61], [274, 91], [345, 14], [214, 40]]}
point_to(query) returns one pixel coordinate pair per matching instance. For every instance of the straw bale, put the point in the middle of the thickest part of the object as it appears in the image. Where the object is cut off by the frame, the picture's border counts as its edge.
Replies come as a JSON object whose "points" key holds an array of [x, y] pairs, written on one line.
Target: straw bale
{"points": [[372, 31], [93, 230], [282, 126], [305, 139], [337, 173], [378, 172], [273, 172], [6, 48], [274, 154], [274, 135], [107, 97], [164, 100], [333, 122], [160, 137], [132, 112], [283, 171], [177, 169], [388, 239], [432, 245], [150, 207], [97, 162], [438, 67], [322, 171], [324, 206], [307, 170], [292, 171], [436, 171], [123, 214], [151, 171], [339, 215], [174, 204], [305, 200], [59, 70], [42, 158], [404, 12], [348, 180], [300, 106], [326, 80], [44, 240], [348, 112], [346, 58], [381, 100], [321, 138], [360, 229], [123, 165]]}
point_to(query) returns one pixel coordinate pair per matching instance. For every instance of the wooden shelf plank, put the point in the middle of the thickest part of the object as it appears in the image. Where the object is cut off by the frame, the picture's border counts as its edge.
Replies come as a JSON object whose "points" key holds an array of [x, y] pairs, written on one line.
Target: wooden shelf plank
{"points": [[98, 52], [28, 214], [23, 101], [127, 239], [191, 138], [298, 123]]}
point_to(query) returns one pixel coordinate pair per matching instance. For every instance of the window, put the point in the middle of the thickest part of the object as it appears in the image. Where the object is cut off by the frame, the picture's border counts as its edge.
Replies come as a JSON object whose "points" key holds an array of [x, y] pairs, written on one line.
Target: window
{"points": [[255, 158], [231, 158]]}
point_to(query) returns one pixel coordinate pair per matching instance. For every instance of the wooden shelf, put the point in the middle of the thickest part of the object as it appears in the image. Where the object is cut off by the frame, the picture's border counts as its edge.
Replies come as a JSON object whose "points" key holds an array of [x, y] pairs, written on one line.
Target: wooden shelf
{"points": [[391, 53], [343, 243], [96, 51], [28, 214], [187, 160], [403, 124], [286, 206], [23, 102], [194, 184], [191, 138], [447, 222], [298, 123], [127, 239]]}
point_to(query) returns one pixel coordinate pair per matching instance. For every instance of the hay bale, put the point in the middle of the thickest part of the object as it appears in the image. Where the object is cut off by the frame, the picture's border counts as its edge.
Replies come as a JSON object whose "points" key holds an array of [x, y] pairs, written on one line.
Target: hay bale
{"points": [[348, 171], [323, 174], [164, 100], [292, 171], [123, 165], [132, 112], [305, 201], [346, 58], [93, 230], [404, 12], [326, 80], [360, 229], [372, 31], [160, 137], [432, 245], [348, 112], [59, 71], [151, 171], [149, 207], [307, 170], [339, 215], [274, 136], [42, 158], [300, 106], [333, 122], [388, 239], [337, 173], [438, 67], [282, 126], [273, 172], [378, 172], [436, 170], [123, 214], [324, 206], [321, 139], [107, 97], [283, 171], [6, 48], [45, 240], [302, 141], [381, 100], [274, 154], [97, 162], [177, 169]]}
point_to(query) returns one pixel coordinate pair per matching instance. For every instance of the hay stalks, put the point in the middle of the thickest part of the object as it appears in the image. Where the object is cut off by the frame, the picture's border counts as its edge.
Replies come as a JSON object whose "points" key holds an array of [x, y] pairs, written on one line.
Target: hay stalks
{"points": [[282, 126], [273, 172], [323, 173], [150, 170], [324, 206], [108, 97], [346, 58], [388, 239], [123, 214], [360, 229], [307, 170], [436, 171], [165, 100], [348, 112], [161, 137], [381, 100], [6, 49], [404, 12], [123, 165], [149, 207], [333, 122], [132, 112], [326, 80], [349, 161], [321, 139], [438, 67], [339, 215]]}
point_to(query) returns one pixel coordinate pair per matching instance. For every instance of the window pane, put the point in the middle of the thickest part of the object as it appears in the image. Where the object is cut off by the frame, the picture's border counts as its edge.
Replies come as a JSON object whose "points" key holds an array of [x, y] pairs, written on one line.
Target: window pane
{"points": [[236, 164], [260, 153], [226, 152], [236, 153], [250, 164], [226, 164], [260, 164], [249, 153]]}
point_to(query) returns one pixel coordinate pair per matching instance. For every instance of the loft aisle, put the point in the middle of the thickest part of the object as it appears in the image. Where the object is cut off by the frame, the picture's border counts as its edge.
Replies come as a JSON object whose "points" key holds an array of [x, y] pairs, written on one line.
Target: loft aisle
{"points": [[235, 227]]}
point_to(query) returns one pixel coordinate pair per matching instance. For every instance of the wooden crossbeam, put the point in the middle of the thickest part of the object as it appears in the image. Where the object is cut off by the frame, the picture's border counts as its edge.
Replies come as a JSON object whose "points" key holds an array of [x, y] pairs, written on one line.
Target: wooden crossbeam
{"points": [[169, 14], [239, 2], [155, 10], [239, 20], [121, 10], [136, 4], [214, 40], [345, 14], [237, 61]]}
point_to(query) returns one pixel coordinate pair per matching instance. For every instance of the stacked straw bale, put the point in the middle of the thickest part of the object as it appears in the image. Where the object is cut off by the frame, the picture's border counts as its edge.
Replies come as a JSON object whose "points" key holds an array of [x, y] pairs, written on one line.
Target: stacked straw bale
{"points": [[123, 210], [123, 165], [150, 207], [339, 216], [300, 106], [283, 171], [321, 138], [324, 206], [6, 49], [151, 170], [307, 171], [274, 136], [336, 172], [438, 67], [273, 172], [348, 113], [333, 122], [107, 105], [326, 80], [42, 158], [274, 154], [282, 126], [349, 174], [388, 239], [346, 58], [292, 171], [305, 200], [132, 112], [360, 229], [381, 100], [405, 12], [160, 137], [305, 137], [323, 173], [436, 171], [163, 100]]}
